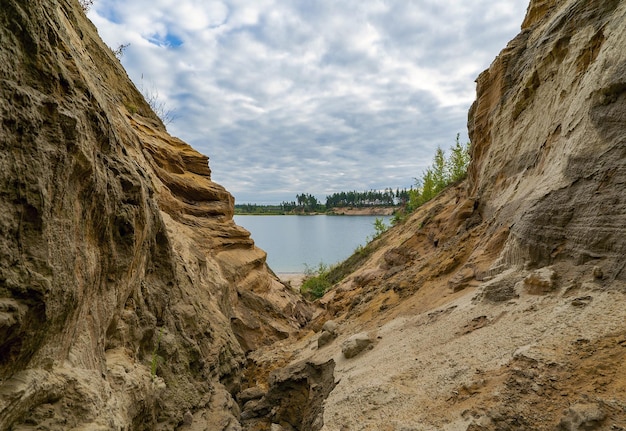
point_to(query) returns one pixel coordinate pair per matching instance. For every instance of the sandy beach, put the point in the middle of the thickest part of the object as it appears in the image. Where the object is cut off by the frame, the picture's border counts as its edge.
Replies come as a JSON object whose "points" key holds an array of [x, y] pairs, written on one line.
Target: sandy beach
{"points": [[294, 279]]}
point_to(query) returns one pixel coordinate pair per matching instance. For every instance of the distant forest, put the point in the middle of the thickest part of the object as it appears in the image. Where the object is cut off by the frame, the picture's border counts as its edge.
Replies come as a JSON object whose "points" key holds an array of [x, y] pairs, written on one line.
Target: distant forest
{"points": [[306, 203], [444, 170]]}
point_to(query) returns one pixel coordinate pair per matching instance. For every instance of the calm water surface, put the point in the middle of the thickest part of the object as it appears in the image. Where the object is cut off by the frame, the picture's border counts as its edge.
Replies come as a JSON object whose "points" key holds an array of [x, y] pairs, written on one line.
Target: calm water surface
{"points": [[293, 242]]}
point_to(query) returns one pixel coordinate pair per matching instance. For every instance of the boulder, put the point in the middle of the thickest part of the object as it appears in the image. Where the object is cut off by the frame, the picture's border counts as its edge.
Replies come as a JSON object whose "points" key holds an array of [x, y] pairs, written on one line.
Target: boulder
{"points": [[581, 417], [540, 282], [356, 344], [330, 326], [253, 393], [325, 338]]}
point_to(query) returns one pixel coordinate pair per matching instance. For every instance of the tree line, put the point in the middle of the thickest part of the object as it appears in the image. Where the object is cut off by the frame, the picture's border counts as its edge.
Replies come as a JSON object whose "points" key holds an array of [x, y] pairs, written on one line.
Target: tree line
{"points": [[445, 169], [368, 198], [306, 203]]}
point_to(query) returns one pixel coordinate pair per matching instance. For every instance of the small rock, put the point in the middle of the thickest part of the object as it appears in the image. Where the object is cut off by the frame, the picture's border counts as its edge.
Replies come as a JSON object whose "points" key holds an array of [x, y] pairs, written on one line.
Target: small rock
{"points": [[541, 281], [582, 417], [252, 409], [582, 301], [366, 277], [253, 393], [461, 279], [325, 338], [187, 418], [597, 273], [356, 344], [330, 326], [498, 290]]}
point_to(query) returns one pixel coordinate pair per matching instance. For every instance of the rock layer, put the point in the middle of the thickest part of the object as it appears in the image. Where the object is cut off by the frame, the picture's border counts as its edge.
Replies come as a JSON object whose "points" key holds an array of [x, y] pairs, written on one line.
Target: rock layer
{"points": [[548, 139], [128, 296]]}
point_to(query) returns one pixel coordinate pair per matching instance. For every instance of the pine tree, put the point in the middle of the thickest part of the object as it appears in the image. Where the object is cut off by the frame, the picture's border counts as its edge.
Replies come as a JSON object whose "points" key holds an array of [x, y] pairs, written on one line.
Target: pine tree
{"points": [[458, 161], [439, 171]]}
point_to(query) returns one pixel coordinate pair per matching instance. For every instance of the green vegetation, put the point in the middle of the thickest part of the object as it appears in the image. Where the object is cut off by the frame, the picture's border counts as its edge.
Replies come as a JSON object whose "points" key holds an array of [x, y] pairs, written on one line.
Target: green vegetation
{"points": [[443, 172], [380, 227], [154, 363], [369, 198], [306, 203], [316, 281], [259, 209]]}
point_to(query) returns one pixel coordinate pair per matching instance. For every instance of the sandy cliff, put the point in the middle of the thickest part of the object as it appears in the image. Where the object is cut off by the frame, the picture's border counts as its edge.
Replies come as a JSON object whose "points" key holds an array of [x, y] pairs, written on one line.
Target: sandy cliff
{"points": [[128, 296]]}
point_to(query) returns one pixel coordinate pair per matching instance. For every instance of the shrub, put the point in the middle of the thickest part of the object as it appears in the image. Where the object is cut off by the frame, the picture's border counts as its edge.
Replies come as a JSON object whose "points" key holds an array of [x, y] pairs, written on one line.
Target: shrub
{"points": [[85, 4], [154, 362], [316, 281], [380, 227], [121, 49], [157, 104]]}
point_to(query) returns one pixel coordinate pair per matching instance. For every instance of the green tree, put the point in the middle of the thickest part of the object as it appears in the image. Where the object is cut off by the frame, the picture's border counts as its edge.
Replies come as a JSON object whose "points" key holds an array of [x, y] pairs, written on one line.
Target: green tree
{"points": [[440, 174], [439, 171], [458, 161], [380, 227], [429, 186]]}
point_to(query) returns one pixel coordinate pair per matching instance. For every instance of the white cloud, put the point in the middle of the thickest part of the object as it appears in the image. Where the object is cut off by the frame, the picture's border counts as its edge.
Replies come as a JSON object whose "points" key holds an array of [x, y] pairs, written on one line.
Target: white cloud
{"points": [[297, 96]]}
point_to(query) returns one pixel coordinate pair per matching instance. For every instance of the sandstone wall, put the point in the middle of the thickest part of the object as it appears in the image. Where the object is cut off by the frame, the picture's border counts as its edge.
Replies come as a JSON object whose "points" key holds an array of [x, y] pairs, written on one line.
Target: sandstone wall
{"points": [[548, 141], [128, 296]]}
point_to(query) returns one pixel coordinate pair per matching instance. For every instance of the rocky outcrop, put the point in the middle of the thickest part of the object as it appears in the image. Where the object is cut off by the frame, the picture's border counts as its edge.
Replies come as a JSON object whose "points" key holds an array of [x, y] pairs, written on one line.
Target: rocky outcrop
{"points": [[128, 296], [548, 139], [294, 400]]}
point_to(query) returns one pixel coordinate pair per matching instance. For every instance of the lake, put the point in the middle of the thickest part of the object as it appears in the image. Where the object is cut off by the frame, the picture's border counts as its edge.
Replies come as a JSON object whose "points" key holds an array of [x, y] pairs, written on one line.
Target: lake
{"points": [[294, 242]]}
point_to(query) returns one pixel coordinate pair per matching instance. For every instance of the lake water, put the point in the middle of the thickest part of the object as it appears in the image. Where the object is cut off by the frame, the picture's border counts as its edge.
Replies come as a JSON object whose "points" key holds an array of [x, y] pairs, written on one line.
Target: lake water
{"points": [[293, 242]]}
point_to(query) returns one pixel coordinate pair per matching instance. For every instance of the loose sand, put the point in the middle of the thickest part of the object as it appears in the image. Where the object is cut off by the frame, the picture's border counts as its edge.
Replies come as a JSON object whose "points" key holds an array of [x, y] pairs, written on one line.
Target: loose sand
{"points": [[294, 279]]}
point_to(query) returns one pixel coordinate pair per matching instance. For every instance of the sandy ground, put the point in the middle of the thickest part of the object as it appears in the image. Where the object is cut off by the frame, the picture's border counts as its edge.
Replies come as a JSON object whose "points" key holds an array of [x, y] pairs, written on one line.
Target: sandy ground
{"points": [[292, 278], [466, 362]]}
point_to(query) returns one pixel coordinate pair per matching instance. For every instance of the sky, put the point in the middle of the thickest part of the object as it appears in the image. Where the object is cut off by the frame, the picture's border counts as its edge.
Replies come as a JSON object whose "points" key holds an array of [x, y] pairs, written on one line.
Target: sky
{"points": [[311, 96]]}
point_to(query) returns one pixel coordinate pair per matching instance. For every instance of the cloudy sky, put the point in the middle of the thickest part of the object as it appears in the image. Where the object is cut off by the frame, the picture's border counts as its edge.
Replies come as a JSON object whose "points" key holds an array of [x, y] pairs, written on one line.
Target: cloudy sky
{"points": [[315, 96]]}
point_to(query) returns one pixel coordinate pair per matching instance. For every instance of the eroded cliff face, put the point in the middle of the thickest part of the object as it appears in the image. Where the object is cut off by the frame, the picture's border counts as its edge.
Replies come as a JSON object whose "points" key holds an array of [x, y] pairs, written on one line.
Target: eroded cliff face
{"points": [[548, 139], [499, 305], [128, 296]]}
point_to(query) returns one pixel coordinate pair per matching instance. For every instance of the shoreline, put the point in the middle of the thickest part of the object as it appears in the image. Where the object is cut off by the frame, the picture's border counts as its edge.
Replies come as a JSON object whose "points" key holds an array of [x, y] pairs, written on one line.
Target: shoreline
{"points": [[343, 211]]}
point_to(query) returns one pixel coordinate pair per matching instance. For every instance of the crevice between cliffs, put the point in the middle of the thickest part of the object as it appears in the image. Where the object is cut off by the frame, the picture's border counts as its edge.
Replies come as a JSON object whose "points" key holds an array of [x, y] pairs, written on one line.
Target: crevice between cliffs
{"points": [[294, 399]]}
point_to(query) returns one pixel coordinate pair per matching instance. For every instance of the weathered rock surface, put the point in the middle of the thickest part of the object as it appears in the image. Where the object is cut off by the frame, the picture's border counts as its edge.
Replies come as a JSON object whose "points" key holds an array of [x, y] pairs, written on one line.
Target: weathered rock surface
{"points": [[294, 399], [582, 417], [356, 344], [547, 133], [128, 296], [541, 281]]}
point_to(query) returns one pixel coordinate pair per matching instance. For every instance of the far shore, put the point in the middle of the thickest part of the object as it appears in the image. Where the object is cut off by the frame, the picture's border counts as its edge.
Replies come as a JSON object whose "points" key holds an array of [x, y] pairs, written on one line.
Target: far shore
{"points": [[347, 211], [369, 211]]}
